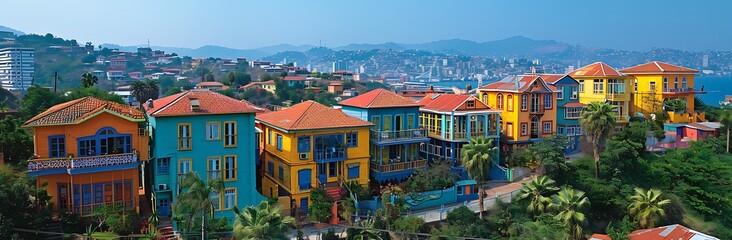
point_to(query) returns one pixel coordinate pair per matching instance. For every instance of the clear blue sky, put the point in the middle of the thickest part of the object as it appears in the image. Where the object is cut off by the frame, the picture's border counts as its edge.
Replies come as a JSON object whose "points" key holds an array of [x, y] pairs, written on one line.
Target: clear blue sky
{"points": [[620, 24]]}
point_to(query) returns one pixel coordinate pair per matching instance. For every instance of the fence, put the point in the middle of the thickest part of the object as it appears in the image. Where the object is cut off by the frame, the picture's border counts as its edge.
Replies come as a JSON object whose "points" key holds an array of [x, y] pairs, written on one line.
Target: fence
{"points": [[441, 213]]}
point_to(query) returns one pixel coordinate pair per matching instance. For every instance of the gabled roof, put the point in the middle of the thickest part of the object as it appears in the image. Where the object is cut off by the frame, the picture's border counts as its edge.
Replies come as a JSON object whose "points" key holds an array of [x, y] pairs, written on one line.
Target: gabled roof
{"points": [[519, 83], [670, 232], [209, 103], [598, 69], [574, 104], [447, 102], [210, 84], [657, 67], [379, 98], [310, 115], [76, 111]]}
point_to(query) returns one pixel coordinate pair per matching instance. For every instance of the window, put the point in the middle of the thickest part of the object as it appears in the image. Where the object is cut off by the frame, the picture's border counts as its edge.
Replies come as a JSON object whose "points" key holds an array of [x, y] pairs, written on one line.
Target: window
{"points": [[352, 139], [332, 169], [215, 200], [87, 147], [665, 84], [470, 104], [230, 168], [524, 129], [279, 142], [499, 101], [459, 190], [303, 144], [560, 92], [652, 86], [676, 83], [524, 102], [281, 173], [387, 123], [410, 121], [270, 169], [547, 101], [57, 146], [214, 167], [184, 136], [570, 131], [635, 85], [184, 166], [212, 131], [575, 94], [162, 166], [535, 102], [572, 112], [229, 198], [509, 129], [560, 130], [229, 134], [597, 86], [509, 102], [547, 127], [376, 120], [581, 85], [353, 171], [616, 86], [304, 179], [485, 98], [683, 84], [269, 136]]}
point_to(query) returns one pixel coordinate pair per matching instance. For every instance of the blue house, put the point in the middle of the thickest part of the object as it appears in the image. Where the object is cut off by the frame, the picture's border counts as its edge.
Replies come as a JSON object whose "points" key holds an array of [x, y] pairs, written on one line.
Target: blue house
{"points": [[207, 133], [396, 135], [569, 108]]}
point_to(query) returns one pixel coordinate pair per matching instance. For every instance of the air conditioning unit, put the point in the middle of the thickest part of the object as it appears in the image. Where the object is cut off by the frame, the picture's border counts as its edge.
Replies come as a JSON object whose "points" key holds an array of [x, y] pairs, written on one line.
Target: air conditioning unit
{"points": [[304, 156], [162, 186]]}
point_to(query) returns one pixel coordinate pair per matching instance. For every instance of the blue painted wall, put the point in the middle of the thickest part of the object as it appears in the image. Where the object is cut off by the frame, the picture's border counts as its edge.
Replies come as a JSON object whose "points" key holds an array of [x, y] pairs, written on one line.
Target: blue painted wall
{"points": [[566, 84], [165, 145]]}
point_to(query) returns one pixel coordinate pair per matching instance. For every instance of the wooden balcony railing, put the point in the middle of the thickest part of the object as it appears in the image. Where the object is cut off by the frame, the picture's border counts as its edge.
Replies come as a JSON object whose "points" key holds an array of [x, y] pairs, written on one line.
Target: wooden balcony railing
{"points": [[330, 153], [398, 135], [82, 162], [400, 166]]}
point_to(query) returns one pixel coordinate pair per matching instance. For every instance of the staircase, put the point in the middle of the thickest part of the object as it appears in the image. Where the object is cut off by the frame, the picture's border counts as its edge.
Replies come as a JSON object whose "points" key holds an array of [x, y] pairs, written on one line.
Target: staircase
{"points": [[165, 230], [335, 192]]}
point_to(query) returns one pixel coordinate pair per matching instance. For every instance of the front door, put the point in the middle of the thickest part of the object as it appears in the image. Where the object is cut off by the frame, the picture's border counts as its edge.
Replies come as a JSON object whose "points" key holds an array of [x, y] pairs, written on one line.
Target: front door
{"points": [[304, 205], [164, 207]]}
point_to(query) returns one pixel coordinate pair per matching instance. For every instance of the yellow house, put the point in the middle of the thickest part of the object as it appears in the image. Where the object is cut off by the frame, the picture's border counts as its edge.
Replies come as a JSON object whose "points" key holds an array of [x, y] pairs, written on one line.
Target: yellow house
{"points": [[654, 82], [527, 104], [599, 82], [311, 145]]}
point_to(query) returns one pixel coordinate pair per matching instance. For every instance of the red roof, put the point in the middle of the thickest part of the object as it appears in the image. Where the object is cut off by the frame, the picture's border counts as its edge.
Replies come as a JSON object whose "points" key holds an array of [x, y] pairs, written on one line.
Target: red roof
{"points": [[598, 236], [209, 103], [596, 69], [519, 83], [574, 104], [446, 102], [255, 107], [551, 78], [379, 98], [76, 111], [210, 84], [657, 67], [335, 84], [294, 78], [310, 115], [670, 232]]}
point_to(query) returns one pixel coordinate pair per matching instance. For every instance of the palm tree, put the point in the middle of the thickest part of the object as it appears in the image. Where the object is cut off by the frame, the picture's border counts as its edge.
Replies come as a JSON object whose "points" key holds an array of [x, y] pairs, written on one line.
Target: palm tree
{"points": [[138, 90], [196, 198], [597, 120], [153, 89], [88, 80], [726, 119], [265, 221], [477, 157], [536, 191], [365, 230], [647, 207], [569, 203]]}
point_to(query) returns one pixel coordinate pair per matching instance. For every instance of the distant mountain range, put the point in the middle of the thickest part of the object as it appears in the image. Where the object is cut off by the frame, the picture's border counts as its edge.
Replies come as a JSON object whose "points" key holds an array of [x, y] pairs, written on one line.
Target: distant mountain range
{"points": [[7, 29]]}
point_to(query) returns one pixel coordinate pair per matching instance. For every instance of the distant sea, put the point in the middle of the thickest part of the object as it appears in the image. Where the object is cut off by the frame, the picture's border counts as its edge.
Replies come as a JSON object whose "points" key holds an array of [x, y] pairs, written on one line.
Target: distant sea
{"points": [[716, 87]]}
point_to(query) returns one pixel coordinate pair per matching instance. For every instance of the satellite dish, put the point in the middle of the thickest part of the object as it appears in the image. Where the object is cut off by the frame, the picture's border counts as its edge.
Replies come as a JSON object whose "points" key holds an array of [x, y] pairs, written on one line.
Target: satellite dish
{"points": [[653, 116]]}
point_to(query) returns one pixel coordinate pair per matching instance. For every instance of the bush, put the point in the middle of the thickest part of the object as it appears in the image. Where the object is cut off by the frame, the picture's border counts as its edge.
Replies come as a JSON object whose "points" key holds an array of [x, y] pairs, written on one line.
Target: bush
{"points": [[410, 224], [122, 223], [437, 177], [329, 235], [462, 216]]}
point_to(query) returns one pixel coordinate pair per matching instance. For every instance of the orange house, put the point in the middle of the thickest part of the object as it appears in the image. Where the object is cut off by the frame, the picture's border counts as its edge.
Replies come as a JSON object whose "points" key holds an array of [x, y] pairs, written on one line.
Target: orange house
{"points": [[88, 151]]}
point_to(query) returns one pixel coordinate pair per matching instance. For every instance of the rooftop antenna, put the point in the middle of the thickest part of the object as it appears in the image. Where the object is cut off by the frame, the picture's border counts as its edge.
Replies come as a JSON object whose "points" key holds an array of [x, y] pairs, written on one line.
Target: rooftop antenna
{"points": [[148, 42]]}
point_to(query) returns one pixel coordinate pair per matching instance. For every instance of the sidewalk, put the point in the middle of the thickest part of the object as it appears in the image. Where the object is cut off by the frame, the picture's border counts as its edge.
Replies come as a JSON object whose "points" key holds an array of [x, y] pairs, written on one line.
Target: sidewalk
{"points": [[496, 190]]}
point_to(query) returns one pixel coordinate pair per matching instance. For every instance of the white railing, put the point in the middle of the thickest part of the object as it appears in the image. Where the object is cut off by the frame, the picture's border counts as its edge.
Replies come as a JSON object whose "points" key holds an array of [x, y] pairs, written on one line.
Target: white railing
{"points": [[82, 162]]}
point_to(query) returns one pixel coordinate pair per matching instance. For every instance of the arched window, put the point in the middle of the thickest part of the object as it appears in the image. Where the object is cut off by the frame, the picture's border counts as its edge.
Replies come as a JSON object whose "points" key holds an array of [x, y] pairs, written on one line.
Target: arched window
{"points": [[676, 83], [509, 102], [485, 98], [665, 84], [106, 141], [683, 84], [499, 101]]}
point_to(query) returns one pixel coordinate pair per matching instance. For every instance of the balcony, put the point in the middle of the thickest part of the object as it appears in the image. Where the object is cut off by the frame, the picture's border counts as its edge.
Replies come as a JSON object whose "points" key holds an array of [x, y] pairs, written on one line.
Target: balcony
{"points": [[618, 97], [330, 154], [682, 91], [81, 162], [398, 166], [402, 135]]}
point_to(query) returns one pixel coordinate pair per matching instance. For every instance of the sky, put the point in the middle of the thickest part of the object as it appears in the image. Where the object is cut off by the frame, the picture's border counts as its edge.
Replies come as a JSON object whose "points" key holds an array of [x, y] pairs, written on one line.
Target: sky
{"points": [[618, 24]]}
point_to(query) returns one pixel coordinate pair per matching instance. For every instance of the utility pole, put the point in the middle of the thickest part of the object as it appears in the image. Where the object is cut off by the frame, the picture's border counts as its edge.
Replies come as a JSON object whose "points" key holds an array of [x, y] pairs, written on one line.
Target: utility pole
{"points": [[55, 81]]}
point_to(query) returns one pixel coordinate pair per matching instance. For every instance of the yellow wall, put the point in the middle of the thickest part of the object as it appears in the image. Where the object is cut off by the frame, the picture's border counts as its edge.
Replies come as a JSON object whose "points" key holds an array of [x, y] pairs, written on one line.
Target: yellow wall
{"points": [[516, 116], [624, 99], [647, 101]]}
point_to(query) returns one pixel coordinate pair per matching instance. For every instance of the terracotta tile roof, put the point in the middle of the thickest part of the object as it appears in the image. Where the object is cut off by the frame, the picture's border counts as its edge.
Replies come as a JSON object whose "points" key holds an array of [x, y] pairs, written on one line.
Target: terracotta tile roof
{"points": [[255, 107], [379, 98], [670, 232], [446, 102], [574, 104], [551, 78], [210, 84], [294, 78], [209, 103], [599, 69], [75, 111], [519, 83], [335, 84], [252, 84], [310, 115], [657, 67]]}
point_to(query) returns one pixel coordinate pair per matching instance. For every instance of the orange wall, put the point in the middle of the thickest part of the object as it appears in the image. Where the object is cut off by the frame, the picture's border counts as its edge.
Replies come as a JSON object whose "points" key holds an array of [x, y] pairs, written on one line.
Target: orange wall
{"points": [[87, 178], [89, 128]]}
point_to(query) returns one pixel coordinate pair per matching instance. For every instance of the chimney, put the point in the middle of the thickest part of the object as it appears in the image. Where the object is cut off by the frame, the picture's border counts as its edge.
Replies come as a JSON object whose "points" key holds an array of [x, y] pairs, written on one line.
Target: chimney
{"points": [[195, 104], [149, 104]]}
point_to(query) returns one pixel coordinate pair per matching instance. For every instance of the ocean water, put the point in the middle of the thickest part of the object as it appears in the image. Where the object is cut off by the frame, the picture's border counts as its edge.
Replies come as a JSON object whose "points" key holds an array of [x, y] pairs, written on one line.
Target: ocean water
{"points": [[716, 87]]}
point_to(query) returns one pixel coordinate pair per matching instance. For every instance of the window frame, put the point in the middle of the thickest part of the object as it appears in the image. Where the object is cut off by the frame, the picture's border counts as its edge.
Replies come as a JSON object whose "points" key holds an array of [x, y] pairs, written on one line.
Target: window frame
{"points": [[300, 144], [218, 203], [279, 142], [598, 86], [524, 129], [225, 168], [159, 166], [509, 102], [581, 87], [560, 93], [544, 127], [59, 150], [209, 171], [352, 139], [548, 104], [233, 142], [524, 102], [209, 133], [575, 92], [499, 101], [223, 206], [574, 111], [188, 138]]}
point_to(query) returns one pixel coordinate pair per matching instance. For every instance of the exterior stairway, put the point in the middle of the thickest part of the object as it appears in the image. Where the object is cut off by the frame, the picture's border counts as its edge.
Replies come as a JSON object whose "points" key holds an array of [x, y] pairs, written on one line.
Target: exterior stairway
{"points": [[165, 230], [335, 192]]}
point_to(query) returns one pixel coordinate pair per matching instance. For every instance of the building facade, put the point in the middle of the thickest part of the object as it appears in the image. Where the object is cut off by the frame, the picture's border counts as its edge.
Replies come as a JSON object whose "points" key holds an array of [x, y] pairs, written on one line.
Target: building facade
{"points": [[655, 82], [599, 82], [311, 145], [89, 152], [450, 121], [528, 107], [396, 135], [17, 68], [209, 134], [569, 108]]}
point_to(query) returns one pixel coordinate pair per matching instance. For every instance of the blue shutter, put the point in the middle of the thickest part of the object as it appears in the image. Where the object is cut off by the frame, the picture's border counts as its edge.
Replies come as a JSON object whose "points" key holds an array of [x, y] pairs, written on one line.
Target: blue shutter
{"points": [[303, 178], [353, 171]]}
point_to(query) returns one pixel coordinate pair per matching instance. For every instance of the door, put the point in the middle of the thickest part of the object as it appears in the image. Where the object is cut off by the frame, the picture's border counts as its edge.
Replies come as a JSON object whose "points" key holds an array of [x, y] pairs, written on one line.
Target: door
{"points": [[534, 127], [398, 123], [322, 177], [164, 207], [304, 205]]}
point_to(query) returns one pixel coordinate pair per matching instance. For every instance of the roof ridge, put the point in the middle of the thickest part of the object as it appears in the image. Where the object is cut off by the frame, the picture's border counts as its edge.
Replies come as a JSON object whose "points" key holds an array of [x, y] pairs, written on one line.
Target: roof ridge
{"points": [[300, 118], [171, 103], [380, 91], [659, 66]]}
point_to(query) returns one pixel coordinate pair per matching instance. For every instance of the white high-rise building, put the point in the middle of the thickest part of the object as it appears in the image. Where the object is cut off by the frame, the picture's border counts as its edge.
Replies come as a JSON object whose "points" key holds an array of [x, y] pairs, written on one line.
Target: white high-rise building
{"points": [[16, 68]]}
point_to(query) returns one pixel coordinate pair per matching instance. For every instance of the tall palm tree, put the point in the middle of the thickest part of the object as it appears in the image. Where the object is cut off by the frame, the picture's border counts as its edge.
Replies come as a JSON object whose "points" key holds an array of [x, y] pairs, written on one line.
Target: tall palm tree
{"points": [[88, 80], [265, 221], [195, 199], [153, 89], [726, 119], [647, 207], [477, 157], [569, 204], [538, 191], [138, 90], [597, 120]]}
